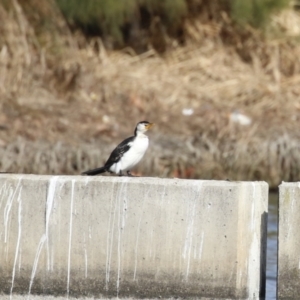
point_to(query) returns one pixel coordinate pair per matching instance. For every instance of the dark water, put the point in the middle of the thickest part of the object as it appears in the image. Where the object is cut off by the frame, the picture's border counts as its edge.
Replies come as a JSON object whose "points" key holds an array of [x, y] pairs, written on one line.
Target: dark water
{"points": [[272, 247]]}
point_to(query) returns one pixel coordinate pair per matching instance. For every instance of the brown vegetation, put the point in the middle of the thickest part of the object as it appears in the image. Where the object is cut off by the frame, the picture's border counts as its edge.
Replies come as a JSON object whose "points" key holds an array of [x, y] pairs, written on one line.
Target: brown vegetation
{"points": [[66, 101]]}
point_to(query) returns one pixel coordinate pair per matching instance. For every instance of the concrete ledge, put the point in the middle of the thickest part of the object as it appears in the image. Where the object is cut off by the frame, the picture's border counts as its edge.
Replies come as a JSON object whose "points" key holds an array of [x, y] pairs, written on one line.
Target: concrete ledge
{"points": [[288, 241], [141, 237]]}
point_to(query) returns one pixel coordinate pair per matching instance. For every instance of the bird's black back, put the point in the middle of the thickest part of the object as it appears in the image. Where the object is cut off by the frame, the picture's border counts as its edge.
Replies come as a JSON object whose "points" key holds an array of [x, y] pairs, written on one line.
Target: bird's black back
{"points": [[118, 152]]}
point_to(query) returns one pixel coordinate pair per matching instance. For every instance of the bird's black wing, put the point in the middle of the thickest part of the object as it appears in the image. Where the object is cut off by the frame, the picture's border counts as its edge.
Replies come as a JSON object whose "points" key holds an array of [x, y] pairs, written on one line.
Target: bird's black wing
{"points": [[119, 151]]}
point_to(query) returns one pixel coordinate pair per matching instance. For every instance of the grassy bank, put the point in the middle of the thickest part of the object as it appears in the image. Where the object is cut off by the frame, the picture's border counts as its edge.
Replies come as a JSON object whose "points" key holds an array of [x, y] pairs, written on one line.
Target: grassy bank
{"points": [[66, 100]]}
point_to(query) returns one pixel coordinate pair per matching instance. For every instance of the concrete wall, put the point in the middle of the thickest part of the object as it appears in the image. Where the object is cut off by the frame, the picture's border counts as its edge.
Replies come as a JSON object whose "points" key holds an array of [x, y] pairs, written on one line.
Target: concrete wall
{"points": [[141, 237], [288, 286]]}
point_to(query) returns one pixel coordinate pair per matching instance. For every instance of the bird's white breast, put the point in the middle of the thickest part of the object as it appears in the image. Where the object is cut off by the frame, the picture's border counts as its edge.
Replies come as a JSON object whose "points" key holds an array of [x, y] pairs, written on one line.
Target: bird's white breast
{"points": [[136, 152]]}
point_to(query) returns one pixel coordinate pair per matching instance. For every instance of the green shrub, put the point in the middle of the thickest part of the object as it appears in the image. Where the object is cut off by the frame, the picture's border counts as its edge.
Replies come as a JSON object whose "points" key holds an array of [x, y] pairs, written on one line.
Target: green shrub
{"points": [[107, 17], [255, 12], [98, 16], [171, 10], [115, 18]]}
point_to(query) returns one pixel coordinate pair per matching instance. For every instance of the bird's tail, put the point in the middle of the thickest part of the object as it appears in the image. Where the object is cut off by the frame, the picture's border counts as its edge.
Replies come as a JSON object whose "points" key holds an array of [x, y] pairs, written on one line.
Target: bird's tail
{"points": [[94, 171]]}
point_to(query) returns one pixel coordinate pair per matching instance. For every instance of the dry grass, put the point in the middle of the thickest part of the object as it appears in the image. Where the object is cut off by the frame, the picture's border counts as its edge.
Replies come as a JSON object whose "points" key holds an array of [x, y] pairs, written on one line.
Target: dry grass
{"points": [[63, 109]]}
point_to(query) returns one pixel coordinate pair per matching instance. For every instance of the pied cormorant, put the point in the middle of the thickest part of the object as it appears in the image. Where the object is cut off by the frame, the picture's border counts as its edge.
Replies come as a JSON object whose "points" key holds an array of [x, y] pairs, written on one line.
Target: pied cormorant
{"points": [[127, 154]]}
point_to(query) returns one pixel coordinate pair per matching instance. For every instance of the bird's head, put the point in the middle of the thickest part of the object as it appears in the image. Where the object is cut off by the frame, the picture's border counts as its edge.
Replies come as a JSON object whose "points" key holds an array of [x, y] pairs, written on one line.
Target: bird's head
{"points": [[143, 126]]}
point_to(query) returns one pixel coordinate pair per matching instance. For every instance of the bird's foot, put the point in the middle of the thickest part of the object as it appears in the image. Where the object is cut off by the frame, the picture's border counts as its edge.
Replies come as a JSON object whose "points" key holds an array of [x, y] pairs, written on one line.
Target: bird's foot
{"points": [[129, 174]]}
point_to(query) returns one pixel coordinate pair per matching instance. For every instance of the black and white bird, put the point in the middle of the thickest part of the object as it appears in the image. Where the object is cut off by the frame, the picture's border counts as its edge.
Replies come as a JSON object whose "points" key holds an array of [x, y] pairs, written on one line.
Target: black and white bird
{"points": [[127, 154]]}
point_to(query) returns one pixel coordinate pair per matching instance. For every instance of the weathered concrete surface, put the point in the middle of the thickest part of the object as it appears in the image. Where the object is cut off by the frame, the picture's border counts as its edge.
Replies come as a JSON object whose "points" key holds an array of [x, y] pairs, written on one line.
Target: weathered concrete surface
{"points": [[288, 286], [140, 237]]}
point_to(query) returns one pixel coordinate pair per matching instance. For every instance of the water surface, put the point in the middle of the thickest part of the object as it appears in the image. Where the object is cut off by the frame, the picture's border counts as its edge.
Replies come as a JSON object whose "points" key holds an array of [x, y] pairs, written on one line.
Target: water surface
{"points": [[272, 247]]}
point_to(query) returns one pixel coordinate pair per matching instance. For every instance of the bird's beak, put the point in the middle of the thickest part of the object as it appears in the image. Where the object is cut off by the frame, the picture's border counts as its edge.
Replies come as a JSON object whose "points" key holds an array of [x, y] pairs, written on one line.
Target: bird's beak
{"points": [[150, 125]]}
